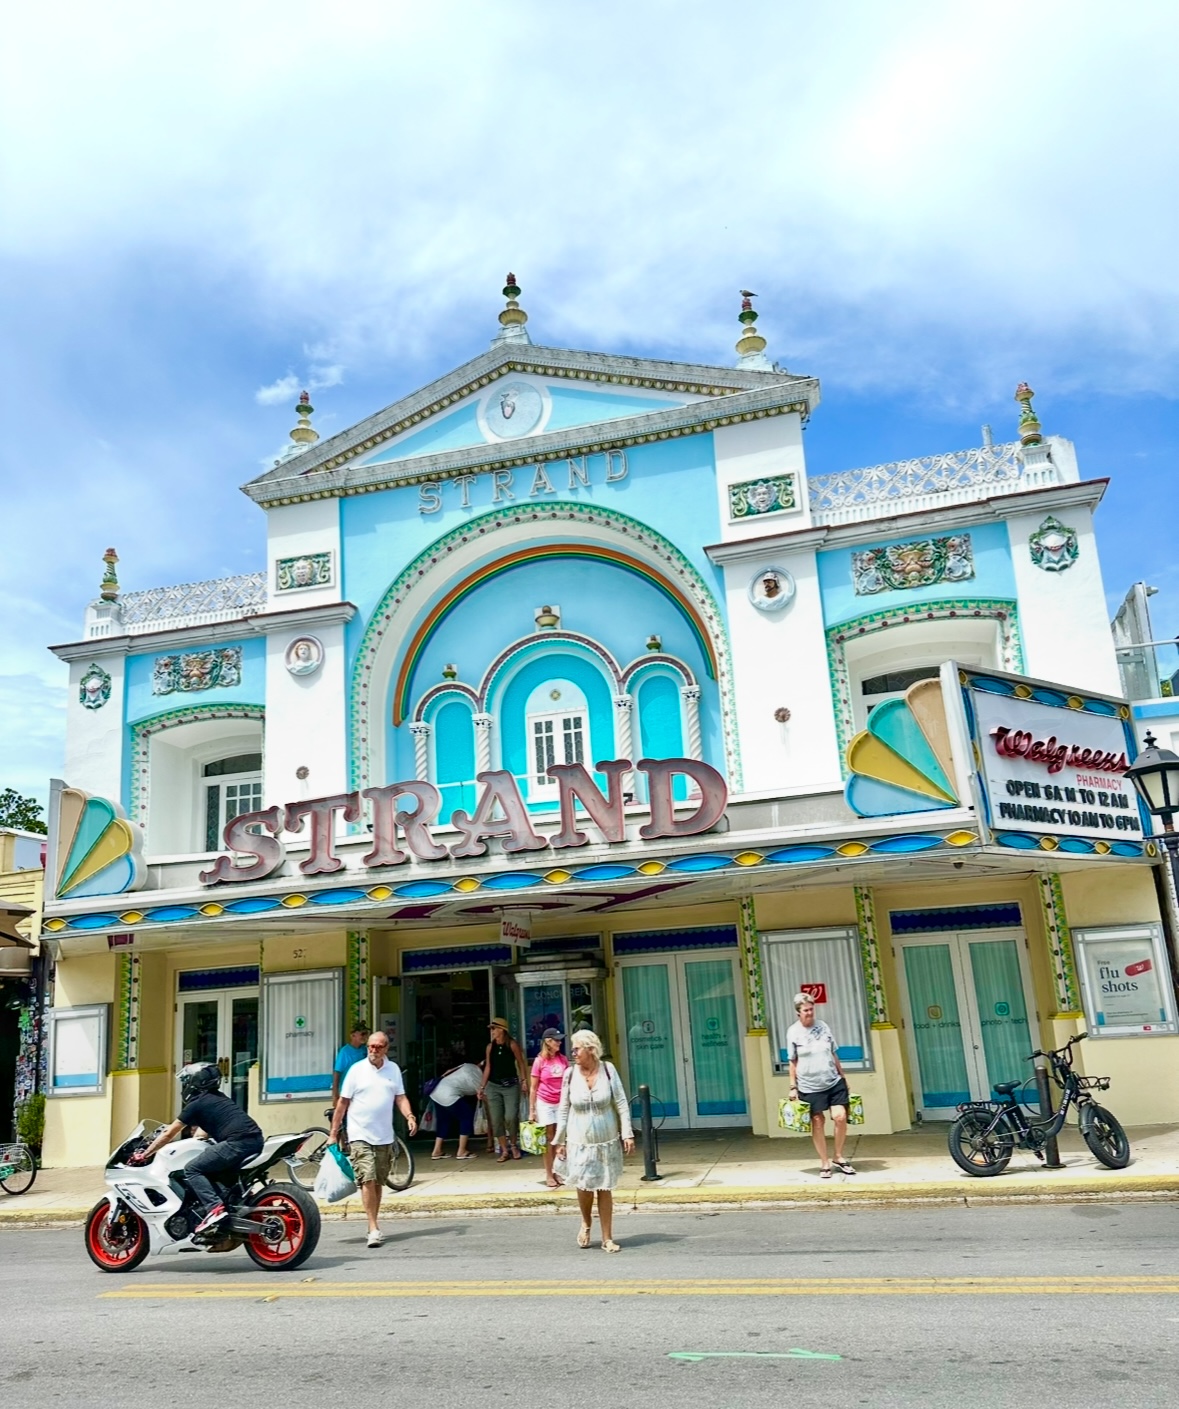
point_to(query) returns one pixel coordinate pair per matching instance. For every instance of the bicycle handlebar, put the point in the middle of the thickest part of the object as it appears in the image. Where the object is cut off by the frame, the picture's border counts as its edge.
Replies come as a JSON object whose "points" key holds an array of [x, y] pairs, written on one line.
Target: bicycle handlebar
{"points": [[1061, 1054]]}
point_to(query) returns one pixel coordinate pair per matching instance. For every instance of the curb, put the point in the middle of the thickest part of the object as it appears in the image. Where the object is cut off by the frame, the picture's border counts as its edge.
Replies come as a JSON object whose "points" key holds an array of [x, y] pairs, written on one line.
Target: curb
{"points": [[1125, 1188]]}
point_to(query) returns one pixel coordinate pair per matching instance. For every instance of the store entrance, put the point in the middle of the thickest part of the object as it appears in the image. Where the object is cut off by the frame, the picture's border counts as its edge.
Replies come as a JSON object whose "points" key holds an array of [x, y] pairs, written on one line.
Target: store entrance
{"points": [[220, 1027], [683, 1037], [439, 1013], [967, 1000]]}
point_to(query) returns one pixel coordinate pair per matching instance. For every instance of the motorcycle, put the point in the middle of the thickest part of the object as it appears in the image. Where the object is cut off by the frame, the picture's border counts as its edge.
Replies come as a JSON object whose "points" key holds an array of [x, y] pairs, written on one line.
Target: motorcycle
{"points": [[150, 1207]]}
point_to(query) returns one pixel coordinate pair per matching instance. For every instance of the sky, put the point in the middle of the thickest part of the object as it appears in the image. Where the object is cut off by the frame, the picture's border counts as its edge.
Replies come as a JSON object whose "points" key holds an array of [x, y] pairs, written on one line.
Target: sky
{"points": [[205, 209]]}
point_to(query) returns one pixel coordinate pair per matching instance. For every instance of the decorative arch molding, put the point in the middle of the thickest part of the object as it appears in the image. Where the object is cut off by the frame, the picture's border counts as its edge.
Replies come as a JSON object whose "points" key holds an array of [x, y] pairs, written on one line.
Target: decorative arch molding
{"points": [[655, 665], [662, 564], [496, 678], [434, 698], [1003, 611], [145, 730]]}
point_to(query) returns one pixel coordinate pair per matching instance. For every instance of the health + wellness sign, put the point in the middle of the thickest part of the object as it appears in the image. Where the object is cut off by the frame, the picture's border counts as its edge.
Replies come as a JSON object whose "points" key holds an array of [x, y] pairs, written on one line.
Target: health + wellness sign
{"points": [[1053, 764]]}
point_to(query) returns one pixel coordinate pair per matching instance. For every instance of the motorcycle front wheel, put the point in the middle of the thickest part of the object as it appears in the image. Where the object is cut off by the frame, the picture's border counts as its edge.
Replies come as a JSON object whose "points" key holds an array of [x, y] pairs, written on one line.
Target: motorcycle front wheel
{"points": [[1106, 1139], [288, 1219], [976, 1149], [117, 1238]]}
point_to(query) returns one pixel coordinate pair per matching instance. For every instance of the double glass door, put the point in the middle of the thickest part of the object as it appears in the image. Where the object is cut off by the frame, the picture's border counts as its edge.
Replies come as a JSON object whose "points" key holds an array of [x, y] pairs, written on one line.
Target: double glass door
{"points": [[220, 1028], [968, 998], [684, 1038]]}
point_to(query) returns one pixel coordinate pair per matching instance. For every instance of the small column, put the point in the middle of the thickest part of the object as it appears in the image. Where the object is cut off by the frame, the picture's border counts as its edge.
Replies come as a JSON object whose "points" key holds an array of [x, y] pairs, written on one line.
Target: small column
{"points": [[1060, 947], [623, 716], [421, 748], [755, 1003], [870, 958], [483, 727], [357, 1001], [690, 694]]}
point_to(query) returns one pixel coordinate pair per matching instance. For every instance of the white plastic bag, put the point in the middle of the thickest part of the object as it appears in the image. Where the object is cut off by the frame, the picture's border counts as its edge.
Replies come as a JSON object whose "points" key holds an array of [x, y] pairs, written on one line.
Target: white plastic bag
{"points": [[335, 1180]]}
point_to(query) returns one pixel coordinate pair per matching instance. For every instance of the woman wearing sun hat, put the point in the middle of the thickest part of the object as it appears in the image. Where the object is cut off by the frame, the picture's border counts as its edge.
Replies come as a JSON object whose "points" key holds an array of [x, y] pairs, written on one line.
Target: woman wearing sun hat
{"points": [[505, 1075]]}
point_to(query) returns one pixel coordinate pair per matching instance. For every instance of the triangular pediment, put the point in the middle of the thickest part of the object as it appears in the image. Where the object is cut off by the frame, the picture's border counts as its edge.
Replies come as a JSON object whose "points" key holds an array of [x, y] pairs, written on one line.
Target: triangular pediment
{"points": [[511, 397]]}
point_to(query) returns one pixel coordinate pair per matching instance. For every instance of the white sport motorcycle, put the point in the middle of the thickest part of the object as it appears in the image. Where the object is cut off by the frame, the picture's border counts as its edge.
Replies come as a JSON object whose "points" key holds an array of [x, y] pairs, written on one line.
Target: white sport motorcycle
{"points": [[150, 1207]]}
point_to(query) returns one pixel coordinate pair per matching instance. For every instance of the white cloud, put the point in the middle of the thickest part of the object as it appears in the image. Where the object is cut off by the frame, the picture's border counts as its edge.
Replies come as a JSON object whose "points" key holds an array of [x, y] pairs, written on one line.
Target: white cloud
{"points": [[283, 390], [320, 378]]}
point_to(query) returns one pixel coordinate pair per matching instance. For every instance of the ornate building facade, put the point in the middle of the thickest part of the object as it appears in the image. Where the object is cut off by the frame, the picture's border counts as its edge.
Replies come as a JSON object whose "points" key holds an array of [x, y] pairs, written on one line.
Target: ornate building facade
{"points": [[567, 693]]}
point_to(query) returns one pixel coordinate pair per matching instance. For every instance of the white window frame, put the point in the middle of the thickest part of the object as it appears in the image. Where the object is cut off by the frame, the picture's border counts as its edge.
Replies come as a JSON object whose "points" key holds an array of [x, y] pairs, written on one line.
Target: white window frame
{"points": [[780, 1007], [547, 790], [1152, 934], [917, 645], [97, 1017], [253, 778], [268, 1031]]}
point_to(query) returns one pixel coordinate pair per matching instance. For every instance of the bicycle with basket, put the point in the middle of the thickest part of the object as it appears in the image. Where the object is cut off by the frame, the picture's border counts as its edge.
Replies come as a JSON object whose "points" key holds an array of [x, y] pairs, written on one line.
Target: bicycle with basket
{"points": [[985, 1134]]}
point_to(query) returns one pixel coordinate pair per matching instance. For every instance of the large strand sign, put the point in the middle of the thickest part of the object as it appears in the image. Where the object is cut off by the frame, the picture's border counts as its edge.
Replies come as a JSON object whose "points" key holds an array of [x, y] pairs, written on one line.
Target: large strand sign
{"points": [[500, 814]]}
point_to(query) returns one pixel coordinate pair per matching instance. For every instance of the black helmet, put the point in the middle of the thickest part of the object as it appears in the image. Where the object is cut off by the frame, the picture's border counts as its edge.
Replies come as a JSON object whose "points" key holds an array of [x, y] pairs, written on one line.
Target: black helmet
{"points": [[198, 1078]]}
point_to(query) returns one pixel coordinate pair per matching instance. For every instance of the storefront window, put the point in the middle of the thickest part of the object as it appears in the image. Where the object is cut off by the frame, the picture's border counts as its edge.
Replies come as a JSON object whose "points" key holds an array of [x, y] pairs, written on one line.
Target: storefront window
{"points": [[825, 964], [1126, 981], [302, 1032]]}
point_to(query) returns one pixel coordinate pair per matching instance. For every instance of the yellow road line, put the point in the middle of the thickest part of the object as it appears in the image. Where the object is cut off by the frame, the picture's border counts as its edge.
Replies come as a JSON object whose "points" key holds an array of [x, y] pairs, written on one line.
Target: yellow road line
{"points": [[835, 1286]]}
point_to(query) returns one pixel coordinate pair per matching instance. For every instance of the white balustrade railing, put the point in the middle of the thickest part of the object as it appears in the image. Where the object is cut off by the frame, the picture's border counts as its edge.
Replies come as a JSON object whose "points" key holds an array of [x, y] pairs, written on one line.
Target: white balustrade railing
{"points": [[193, 603], [908, 486]]}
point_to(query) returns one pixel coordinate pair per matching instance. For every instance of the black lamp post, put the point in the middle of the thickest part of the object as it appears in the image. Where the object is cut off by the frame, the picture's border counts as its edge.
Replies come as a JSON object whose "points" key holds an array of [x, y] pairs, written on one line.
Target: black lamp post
{"points": [[1155, 775]]}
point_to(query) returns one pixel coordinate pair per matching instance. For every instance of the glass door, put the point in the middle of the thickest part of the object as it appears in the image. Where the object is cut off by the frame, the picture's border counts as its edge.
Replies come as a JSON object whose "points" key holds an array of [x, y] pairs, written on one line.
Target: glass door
{"points": [[684, 1039], [221, 1028], [967, 999]]}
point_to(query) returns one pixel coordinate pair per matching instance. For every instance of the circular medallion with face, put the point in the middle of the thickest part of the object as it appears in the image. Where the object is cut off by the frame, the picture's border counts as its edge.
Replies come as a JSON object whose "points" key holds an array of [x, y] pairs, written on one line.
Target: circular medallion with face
{"points": [[771, 589], [512, 410]]}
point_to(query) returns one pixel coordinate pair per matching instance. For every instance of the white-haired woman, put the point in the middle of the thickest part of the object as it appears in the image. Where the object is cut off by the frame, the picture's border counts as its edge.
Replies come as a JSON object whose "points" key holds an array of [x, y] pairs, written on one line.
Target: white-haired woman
{"points": [[817, 1078], [593, 1131]]}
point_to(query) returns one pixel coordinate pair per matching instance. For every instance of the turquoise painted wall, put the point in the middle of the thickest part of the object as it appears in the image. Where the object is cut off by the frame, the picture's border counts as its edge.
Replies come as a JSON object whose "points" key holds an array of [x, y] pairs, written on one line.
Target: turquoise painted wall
{"points": [[993, 576], [142, 704]]}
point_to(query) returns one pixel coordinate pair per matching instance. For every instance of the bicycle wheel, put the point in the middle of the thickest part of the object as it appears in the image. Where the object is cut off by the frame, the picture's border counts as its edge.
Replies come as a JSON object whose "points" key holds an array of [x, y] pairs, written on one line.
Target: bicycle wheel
{"points": [[1106, 1139], [401, 1172], [976, 1148], [304, 1163], [20, 1169]]}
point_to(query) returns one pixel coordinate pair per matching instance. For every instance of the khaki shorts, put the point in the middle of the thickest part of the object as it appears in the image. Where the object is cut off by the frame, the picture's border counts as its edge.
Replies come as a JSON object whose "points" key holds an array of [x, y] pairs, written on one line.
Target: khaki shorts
{"points": [[370, 1163]]}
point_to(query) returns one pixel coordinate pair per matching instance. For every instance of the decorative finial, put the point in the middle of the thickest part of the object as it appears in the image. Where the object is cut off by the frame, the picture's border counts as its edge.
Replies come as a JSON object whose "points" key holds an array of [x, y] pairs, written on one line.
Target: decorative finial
{"points": [[450, 672], [1029, 422], [513, 318], [547, 618], [751, 345], [304, 433], [110, 581]]}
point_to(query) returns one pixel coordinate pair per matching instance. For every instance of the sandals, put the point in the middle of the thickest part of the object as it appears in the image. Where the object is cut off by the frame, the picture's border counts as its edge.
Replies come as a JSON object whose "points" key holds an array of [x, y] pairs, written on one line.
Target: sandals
{"points": [[843, 1167], [609, 1245], [439, 1156], [503, 1157], [825, 1172], [583, 1236], [464, 1157], [516, 1154]]}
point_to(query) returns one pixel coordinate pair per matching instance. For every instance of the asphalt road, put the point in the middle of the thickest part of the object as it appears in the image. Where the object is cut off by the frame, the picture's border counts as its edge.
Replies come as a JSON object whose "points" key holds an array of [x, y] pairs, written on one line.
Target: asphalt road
{"points": [[1070, 1306]]}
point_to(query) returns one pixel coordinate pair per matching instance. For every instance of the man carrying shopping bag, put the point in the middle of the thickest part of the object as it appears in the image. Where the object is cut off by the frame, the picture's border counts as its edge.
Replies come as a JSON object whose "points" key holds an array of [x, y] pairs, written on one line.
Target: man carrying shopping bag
{"points": [[370, 1091]]}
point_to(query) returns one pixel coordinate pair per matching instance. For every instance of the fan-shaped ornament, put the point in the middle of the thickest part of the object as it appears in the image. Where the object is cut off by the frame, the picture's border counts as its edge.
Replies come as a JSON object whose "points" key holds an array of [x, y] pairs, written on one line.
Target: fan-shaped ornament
{"points": [[98, 849], [902, 761]]}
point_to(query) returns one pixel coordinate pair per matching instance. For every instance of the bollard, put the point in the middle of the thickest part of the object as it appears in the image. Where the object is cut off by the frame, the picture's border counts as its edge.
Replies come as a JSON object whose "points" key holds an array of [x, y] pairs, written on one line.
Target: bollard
{"points": [[1044, 1092], [650, 1154]]}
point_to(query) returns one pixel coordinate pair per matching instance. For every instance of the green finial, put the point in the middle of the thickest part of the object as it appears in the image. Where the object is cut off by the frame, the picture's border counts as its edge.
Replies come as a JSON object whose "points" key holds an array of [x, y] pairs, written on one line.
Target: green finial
{"points": [[304, 433], [110, 581], [750, 343], [1029, 422]]}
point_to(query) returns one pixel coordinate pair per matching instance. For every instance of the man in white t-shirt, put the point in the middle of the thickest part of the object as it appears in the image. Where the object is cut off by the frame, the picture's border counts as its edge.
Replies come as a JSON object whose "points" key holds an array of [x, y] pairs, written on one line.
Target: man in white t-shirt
{"points": [[370, 1091]]}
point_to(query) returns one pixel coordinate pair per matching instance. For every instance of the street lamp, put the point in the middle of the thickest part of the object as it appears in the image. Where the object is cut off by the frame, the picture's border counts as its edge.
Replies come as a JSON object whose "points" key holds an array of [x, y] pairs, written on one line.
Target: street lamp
{"points": [[1155, 775]]}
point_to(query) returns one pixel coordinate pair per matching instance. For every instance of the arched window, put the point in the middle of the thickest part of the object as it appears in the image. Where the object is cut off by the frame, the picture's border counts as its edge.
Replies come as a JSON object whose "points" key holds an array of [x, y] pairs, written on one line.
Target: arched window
{"points": [[557, 730], [231, 786], [883, 666], [454, 755]]}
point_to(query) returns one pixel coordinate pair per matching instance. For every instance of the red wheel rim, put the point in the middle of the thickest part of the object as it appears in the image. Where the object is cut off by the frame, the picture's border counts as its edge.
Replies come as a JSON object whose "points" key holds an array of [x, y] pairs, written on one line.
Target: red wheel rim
{"points": [[294, 1230], [107, 1253]]}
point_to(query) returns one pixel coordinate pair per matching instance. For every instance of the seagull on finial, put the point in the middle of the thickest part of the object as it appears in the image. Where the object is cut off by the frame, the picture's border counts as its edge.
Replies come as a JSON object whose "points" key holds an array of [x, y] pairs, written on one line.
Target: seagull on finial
{"points": [[747, 297], [747, 293]]}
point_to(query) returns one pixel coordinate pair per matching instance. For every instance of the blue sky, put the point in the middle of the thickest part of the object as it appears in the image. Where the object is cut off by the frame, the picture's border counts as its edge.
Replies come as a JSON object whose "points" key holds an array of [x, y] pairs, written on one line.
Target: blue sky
{"points": [[933, 201]]}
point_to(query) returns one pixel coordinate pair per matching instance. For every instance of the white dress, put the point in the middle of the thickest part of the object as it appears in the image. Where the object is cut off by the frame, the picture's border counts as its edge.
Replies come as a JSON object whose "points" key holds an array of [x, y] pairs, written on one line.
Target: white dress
{"points": [[592, 1123]]}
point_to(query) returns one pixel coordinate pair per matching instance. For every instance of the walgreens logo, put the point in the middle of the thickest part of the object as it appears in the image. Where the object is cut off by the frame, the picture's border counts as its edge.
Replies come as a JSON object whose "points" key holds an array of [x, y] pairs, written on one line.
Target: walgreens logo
{"points": [[1055, 756]]}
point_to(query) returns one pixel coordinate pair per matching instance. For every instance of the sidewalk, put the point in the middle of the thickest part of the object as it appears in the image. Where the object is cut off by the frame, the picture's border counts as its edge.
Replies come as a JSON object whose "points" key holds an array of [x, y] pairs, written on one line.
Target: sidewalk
{"points": [[719, 1169]]}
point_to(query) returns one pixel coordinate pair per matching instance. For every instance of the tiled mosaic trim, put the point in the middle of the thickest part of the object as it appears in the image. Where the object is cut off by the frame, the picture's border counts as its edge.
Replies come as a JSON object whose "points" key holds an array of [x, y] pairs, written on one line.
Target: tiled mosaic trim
{"points": [[356, 979], [424, 887], [363, 725], [126, 1043], [755, 1003], [1060, 945], [141, 735], [998, 609], [922, 562], [870, 957]]}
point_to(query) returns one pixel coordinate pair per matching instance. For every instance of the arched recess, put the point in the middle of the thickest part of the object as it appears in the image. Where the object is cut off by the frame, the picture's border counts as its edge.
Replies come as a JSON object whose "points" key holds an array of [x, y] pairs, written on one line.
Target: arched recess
{"points": [[453, 566], [167, 755]]}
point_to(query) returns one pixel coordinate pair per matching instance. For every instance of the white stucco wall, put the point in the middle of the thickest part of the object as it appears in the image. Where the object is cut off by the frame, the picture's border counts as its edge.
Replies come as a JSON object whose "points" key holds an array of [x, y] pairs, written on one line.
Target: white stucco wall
{"points": [[754, 450], [93, 743], [293, 530], [305, 719]]}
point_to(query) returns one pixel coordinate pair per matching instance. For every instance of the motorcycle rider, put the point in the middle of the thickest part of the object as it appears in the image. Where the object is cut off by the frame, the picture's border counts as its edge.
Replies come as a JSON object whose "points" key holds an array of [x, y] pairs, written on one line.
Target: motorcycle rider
{"points": [[235, 1138]]}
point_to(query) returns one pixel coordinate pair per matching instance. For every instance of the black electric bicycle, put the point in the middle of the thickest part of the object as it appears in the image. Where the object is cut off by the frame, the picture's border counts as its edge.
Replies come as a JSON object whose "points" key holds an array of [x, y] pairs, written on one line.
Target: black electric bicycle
{"points": [[986, 1133]]}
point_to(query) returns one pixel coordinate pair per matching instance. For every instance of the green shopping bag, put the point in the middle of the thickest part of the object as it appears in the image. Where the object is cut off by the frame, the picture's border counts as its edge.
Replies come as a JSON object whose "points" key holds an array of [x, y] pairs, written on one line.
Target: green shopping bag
{"points": [[532, 1137], [855, 1109], [795, 1117]]}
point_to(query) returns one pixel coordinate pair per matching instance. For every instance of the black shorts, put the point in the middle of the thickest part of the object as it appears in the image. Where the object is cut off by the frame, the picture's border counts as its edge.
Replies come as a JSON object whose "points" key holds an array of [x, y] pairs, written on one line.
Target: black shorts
{"points": [[820, 1101]]}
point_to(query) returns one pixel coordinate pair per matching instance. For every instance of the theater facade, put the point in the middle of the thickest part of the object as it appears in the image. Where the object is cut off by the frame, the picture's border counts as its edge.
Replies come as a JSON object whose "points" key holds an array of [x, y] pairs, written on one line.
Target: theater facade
{"points": [[567, 694]]}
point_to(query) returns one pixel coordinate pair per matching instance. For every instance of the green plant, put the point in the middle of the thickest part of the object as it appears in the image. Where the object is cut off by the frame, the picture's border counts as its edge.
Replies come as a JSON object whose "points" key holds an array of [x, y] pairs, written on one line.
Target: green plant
{"points": [[30, 1121]]}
